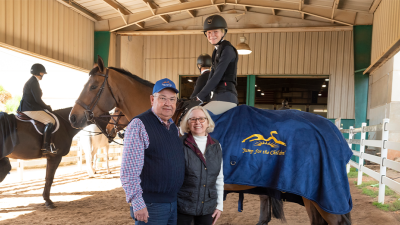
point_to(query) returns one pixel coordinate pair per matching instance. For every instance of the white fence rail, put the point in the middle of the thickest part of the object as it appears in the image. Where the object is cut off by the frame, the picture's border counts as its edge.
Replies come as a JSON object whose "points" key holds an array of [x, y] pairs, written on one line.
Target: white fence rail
{"points": [[384, 163]]}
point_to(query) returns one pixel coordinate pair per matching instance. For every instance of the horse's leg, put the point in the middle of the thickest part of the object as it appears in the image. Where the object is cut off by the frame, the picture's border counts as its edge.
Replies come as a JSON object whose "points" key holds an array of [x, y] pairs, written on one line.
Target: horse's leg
{"points": [[313, 214], [52, 165], [265, 210], [108, 168], [332, 219]]}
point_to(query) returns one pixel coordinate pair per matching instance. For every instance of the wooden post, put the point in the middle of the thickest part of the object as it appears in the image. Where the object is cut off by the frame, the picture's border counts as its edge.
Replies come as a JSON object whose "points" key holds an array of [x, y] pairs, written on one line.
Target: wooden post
{"points": [[362, 150], [351, 135], [384, 151], [20, 169]]}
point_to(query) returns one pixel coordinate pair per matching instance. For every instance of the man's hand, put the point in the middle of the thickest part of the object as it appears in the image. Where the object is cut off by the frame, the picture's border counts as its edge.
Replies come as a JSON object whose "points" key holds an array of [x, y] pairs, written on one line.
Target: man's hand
{"points": [[216, 215], [142, 215]]}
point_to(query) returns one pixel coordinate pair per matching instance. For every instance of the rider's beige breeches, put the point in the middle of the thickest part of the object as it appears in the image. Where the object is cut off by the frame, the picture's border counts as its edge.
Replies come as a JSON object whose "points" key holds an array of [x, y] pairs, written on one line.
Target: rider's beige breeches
{"points": [[40, 116], [219, 107]]}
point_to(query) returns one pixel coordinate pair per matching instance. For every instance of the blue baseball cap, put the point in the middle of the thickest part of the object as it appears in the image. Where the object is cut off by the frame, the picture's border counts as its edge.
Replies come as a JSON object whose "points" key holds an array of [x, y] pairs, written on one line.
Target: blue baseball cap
{"points": [[164, 83]]}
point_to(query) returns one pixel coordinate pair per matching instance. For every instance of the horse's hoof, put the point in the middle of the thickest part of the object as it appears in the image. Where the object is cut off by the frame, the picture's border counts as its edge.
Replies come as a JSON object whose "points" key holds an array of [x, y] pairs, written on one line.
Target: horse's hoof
{"points": [[50, 206]]}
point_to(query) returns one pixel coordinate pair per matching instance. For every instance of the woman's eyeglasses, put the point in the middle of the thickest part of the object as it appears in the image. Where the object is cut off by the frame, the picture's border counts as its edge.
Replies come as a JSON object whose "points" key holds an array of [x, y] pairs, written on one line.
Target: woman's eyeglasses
{"points": [[201, 119]]}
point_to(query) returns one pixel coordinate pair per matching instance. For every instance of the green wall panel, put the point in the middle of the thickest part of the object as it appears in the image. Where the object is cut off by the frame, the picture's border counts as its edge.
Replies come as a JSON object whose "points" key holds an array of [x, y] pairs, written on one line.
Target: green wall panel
{"points": [[102, 45], [251, 90]]}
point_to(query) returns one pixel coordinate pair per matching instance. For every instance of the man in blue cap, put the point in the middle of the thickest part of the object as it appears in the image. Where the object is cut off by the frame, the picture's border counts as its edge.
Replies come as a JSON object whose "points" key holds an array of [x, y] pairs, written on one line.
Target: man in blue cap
{"points": [[153, 161]]}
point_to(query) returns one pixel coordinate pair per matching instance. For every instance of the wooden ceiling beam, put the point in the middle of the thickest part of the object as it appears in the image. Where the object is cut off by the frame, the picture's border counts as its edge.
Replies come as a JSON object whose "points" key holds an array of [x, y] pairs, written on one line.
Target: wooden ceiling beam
{"points": [[118, 7], [219, 8], [335, 6], [237, 31], [374, 6], [345, 17], [76, 7], [140, 24], [151, 6], [166, 18], [192, 13]]}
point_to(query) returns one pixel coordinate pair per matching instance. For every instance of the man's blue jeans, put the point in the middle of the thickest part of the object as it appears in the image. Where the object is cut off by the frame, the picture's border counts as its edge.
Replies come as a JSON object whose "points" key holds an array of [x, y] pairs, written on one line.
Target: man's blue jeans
{"points": [[159, 214]]}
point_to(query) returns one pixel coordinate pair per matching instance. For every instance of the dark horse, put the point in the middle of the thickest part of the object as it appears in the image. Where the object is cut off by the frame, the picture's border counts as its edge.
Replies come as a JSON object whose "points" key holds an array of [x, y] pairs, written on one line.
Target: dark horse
{"points": [[113, 87], [29, 148]]}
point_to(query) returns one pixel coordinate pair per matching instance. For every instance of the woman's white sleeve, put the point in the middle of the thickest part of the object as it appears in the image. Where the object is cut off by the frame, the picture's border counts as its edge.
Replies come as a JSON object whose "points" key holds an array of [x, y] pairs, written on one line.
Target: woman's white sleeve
{"points": [[220, 188]]}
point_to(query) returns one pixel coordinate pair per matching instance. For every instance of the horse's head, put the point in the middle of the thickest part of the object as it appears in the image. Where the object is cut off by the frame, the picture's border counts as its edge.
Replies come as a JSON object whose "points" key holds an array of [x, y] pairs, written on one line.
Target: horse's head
{"points": [[117, 122], [96, 97]]}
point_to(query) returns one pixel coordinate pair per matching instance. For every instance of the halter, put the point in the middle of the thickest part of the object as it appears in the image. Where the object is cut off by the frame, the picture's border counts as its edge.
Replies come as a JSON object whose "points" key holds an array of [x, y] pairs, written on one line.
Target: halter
{"points": [[89, 108]]}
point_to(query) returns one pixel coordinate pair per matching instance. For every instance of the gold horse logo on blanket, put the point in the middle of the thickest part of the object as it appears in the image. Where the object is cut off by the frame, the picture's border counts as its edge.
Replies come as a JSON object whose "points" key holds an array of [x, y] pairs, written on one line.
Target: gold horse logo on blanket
{"points": [[271, 141]]}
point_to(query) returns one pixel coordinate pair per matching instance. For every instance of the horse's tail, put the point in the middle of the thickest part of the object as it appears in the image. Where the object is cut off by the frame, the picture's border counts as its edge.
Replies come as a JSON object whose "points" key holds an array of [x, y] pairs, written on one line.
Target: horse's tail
{"points": [[5, 167], [277, 209]]}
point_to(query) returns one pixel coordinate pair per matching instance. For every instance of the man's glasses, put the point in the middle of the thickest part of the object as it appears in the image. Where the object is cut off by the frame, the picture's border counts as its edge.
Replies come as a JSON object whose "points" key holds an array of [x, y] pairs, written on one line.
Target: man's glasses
{"points": [[201, 119], [163, 99]]}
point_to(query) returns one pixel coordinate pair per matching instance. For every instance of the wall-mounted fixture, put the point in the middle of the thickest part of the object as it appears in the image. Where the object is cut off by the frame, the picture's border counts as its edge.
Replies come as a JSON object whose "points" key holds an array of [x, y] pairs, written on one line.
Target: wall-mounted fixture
{"points": [[242, 47]]}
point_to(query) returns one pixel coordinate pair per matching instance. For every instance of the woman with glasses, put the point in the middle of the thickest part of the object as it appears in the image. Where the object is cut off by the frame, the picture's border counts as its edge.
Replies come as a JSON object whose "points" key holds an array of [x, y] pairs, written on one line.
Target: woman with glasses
{"points": [[200, 198]]}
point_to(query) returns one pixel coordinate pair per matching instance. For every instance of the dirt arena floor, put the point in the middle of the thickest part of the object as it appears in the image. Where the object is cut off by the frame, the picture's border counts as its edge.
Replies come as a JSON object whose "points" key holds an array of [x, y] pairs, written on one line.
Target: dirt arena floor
{"points": [[101, 200]]}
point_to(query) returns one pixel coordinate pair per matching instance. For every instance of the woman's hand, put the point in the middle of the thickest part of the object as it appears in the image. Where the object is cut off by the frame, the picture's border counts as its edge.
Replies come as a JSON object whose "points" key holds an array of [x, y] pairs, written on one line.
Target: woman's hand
{"points": [[216, 215]]}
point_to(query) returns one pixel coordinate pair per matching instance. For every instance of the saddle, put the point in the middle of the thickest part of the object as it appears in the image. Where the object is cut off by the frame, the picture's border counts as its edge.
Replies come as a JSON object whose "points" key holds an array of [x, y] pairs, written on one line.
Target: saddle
{"points": [[39, 126]]}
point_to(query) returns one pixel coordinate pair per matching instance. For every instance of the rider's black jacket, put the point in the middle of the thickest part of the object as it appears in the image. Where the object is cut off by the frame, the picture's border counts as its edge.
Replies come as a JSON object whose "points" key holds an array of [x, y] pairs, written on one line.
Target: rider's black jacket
{"points": [[200, 83], [222, 80], [32, 97]]}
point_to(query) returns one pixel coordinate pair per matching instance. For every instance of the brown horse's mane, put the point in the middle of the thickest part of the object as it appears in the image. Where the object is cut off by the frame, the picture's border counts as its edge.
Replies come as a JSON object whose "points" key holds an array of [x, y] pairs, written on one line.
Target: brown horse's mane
{"points": [[126, 73]]}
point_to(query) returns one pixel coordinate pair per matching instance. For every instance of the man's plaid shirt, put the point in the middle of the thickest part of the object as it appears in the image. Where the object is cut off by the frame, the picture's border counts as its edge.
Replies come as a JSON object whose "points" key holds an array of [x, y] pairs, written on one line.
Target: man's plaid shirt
{"points": [[135, 142]]}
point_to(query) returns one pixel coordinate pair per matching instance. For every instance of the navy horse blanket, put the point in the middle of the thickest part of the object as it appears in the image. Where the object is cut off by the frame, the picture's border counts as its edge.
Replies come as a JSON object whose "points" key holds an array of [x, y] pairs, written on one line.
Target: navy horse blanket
{"points": [[289, 151]]}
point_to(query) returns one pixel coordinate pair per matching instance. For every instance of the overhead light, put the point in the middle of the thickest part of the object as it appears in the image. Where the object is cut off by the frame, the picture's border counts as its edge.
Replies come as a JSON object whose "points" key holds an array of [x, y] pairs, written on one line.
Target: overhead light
{"points": [[320, 110], [256, 85], [262, 93], [319, 94], [242, 47], [324, 85], [326, 79], [190, 80], [258, 90]]}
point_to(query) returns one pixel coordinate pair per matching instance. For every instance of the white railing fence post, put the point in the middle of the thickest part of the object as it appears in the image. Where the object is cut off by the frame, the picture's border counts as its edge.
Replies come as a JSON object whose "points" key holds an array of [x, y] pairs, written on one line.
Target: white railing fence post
{"points": [[80, 159], [362, 150], [20, 169], [350, 146], [385, 138]]}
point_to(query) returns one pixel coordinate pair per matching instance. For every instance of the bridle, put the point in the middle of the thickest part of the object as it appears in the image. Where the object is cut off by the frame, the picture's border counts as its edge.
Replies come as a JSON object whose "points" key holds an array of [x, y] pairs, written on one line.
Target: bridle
{"points": [[89, 108], [116, 125]]}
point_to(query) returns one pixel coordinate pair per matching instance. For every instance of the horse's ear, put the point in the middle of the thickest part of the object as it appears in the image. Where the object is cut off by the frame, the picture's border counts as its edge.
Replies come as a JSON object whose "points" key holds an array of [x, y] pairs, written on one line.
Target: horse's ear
{"points": [[100, 63]]}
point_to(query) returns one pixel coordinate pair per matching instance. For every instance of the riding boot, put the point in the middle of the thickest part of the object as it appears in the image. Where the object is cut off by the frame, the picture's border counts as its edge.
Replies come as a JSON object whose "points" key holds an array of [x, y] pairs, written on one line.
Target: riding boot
{"points": [[47, 147]]}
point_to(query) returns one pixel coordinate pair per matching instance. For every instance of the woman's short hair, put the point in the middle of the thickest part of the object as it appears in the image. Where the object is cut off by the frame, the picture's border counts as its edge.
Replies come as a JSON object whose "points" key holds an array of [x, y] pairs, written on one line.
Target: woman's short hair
{"points": [[185, 123]]}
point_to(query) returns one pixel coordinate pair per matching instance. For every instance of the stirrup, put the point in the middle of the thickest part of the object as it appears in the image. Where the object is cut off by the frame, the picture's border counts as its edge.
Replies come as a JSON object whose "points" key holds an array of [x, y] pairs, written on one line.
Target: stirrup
{"points": [[53, 148]]}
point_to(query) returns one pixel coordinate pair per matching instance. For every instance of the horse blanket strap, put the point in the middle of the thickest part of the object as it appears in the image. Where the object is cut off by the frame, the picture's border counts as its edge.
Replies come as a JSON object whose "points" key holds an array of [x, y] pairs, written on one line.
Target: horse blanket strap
{"points": [[286, 150], [240, 202]]}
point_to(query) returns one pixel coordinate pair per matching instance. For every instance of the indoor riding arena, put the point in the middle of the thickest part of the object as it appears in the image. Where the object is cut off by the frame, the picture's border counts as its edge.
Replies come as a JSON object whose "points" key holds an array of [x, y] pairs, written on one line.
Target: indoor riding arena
{"points": [[337, 61]]}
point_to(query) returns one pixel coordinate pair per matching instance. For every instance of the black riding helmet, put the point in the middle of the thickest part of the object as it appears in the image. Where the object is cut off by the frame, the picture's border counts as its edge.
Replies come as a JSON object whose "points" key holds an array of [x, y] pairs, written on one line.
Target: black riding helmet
{"points": [[204, 60], [215, 22], [38, 68]]}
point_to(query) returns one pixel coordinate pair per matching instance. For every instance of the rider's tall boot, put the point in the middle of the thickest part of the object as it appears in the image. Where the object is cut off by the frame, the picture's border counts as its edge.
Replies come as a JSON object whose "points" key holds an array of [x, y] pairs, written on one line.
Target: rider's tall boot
{"points": [[47, 146]]}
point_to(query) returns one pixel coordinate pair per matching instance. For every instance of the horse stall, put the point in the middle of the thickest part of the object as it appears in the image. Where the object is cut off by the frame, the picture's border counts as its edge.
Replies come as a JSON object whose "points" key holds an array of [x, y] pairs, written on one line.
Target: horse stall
{"points": [[337, 59]]}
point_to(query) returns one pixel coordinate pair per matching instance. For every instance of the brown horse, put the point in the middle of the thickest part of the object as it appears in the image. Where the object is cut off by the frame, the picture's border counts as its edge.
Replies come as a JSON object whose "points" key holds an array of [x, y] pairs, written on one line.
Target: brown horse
{"points": [[117, 123], [30, 144], [130, 93]]}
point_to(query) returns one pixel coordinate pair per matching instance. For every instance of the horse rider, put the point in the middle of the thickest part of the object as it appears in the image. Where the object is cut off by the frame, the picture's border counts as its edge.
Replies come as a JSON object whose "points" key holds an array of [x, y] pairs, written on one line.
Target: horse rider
{"points": [[222, 79], [285, 105], [204, 66], [33, 106]]}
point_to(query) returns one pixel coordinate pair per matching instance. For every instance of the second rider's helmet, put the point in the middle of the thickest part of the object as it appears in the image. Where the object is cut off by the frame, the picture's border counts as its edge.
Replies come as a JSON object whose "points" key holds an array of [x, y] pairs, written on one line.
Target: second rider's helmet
{"points": [[204, 60], [215, 22]]}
